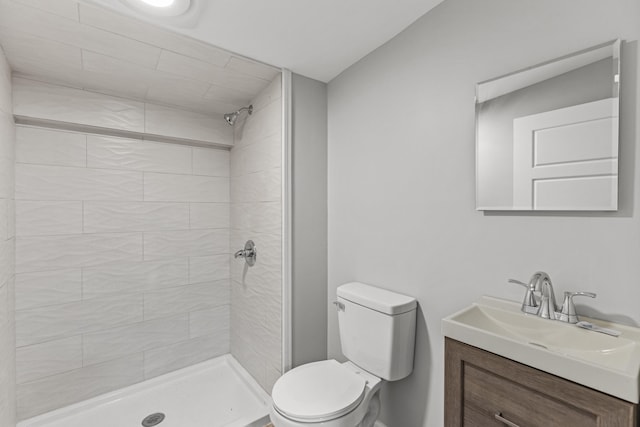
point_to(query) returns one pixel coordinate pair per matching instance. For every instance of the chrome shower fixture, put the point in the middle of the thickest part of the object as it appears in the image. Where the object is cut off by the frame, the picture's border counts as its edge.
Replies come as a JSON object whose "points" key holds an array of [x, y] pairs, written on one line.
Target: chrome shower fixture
{"points": [[232, 117]]}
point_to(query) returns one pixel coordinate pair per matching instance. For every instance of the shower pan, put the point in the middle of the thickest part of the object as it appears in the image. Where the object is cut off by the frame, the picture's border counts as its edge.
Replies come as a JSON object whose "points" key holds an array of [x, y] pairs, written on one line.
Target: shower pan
{"points": [[216, 393]]}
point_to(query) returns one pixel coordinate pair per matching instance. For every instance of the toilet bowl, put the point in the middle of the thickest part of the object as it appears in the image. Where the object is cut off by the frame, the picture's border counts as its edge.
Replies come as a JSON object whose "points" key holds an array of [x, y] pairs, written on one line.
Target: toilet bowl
{"points": [[326, 394]]}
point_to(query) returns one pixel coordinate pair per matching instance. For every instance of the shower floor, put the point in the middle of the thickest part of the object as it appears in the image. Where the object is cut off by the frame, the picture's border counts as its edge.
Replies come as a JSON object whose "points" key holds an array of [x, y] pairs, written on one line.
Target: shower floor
{"points": [[216, 393]]}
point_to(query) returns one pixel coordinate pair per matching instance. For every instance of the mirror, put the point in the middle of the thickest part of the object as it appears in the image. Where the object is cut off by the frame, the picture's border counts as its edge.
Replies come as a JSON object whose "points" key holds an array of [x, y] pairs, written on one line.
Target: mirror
{"points": [[547, 136]]}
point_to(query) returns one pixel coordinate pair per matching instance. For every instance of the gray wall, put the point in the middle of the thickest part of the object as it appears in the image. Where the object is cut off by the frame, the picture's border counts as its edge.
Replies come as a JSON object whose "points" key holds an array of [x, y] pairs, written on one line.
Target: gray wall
{"points": [[401, 178], [309, 219]]}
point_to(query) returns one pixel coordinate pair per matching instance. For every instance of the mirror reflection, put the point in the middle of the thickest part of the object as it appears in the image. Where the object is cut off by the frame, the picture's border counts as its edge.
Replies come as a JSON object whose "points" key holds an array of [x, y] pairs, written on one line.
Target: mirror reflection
{"points": [[547, 136]]}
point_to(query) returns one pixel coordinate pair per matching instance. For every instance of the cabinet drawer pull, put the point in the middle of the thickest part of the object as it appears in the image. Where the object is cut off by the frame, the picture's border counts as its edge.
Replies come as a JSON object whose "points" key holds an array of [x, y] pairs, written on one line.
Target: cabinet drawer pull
{"points": [[498, 416]]}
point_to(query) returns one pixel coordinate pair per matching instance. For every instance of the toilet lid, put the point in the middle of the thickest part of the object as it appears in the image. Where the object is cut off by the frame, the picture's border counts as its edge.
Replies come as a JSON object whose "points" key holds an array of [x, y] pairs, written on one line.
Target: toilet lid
{"points": [[318, 391]]}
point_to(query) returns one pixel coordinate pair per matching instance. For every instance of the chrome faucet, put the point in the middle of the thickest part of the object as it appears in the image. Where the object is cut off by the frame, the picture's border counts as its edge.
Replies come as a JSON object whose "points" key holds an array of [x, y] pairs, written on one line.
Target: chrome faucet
{"points": [[547, 308], [530, 303]]}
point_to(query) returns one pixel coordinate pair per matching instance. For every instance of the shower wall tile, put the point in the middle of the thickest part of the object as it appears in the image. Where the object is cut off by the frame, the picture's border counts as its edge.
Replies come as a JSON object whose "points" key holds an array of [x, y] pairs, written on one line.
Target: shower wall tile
{"points": [[248, 315], [36, 182], [22, 46], [166, 244], [4, 219], [166, 121], [65, 8], [133, 78], [6, 174], [82, 250], [118, 342], [150, 34], [11, 212], [183, 299], [214, 321], [122, 250], [186, 353], [48, 288], [48, 218], [53, 102], [133, 277], [262, 124], [257, 157], [121, 153], [7, 363], [53, 392], [250, 357], [50, 147], [226, 95], [256, 213], [208, 268], [261, 217], [6, 104], [262, 186], [7, 156], [209, 215], [135, 216], [210, 162], [42, 324], [6, 261], [272, 93], [174, 63], [70, 32], [160, 187], [7, 248], [49, 358], [246, 66]]}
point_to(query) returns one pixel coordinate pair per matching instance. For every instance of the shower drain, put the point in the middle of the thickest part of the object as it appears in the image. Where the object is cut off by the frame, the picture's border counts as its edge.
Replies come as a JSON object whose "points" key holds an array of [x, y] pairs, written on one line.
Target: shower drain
{"points": [[153, 419]]}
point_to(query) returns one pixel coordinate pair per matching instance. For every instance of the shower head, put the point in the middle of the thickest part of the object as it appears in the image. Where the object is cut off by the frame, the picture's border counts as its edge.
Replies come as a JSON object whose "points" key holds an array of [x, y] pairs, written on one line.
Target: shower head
{"points": [[232, 117]]}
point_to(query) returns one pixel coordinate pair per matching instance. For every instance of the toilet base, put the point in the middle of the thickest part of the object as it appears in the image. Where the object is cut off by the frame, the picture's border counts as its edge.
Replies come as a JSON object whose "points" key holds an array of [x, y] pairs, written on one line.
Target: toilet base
{"points": [[371, 416]]}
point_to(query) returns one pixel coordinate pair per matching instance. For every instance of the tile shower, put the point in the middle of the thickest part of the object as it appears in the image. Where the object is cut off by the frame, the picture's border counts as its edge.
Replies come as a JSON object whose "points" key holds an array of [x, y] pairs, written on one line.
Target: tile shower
{"points": [[123, 266]]}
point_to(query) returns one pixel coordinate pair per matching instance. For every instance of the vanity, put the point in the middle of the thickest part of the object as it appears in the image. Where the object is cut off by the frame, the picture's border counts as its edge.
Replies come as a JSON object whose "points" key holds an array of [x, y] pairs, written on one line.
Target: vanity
{"points": [[504, 367], [483, 389]]}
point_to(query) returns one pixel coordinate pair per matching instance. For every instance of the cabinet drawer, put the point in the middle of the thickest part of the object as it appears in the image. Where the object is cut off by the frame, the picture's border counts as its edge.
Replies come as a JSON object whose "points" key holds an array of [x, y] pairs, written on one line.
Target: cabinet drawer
{"points": [[487, 394]]}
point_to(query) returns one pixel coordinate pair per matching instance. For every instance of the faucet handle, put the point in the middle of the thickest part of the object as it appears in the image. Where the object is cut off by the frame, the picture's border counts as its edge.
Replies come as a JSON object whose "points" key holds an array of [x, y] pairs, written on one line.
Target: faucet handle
{"points": [[518, 282], [568, 311], [529, 304]]}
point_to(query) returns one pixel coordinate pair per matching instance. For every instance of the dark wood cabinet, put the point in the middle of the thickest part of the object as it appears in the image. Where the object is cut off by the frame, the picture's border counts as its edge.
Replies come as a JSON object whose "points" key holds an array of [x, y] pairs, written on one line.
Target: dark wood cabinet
{"points": [[486, 390]]}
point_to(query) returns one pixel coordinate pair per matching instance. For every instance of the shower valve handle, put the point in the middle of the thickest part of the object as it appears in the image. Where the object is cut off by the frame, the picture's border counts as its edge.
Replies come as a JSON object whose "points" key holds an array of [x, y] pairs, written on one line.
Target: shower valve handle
{"points": [[249, 253]]}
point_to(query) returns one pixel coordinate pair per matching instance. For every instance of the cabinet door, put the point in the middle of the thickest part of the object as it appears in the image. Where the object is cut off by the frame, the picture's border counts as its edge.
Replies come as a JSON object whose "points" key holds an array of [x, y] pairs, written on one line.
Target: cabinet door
{"points": [[486, 390]]}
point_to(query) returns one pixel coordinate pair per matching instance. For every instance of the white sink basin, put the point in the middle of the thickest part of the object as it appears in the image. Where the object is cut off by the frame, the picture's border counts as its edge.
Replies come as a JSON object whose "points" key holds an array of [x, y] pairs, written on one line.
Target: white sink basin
{"points": [[602, 362]]}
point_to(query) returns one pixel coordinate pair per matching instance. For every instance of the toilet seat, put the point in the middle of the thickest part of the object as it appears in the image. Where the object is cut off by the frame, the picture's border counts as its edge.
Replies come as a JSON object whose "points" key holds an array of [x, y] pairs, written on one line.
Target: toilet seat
{"points": [[317, 392]]}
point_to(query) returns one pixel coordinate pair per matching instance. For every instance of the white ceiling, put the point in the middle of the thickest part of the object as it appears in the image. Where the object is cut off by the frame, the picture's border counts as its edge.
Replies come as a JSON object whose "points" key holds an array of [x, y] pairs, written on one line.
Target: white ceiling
{"points": [[318, 39]]}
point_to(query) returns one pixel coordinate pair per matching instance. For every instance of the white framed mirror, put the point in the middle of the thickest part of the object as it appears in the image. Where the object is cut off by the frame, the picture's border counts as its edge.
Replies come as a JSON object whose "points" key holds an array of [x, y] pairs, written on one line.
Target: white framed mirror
{"points": [[547, 136]]}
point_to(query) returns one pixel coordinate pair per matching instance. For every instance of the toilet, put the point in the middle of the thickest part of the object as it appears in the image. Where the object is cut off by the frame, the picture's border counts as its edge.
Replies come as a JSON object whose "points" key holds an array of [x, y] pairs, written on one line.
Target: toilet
{"points": [[377, 333]]}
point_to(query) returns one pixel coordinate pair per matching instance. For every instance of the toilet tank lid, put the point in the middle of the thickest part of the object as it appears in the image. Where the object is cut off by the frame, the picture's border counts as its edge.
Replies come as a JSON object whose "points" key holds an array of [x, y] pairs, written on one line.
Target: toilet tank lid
{"points": [[377, 299]]}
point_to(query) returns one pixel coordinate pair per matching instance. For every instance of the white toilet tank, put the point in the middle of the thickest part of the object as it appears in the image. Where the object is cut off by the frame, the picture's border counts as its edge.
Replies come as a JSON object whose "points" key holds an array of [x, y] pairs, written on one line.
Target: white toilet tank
{"points": [[377, 329]]}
